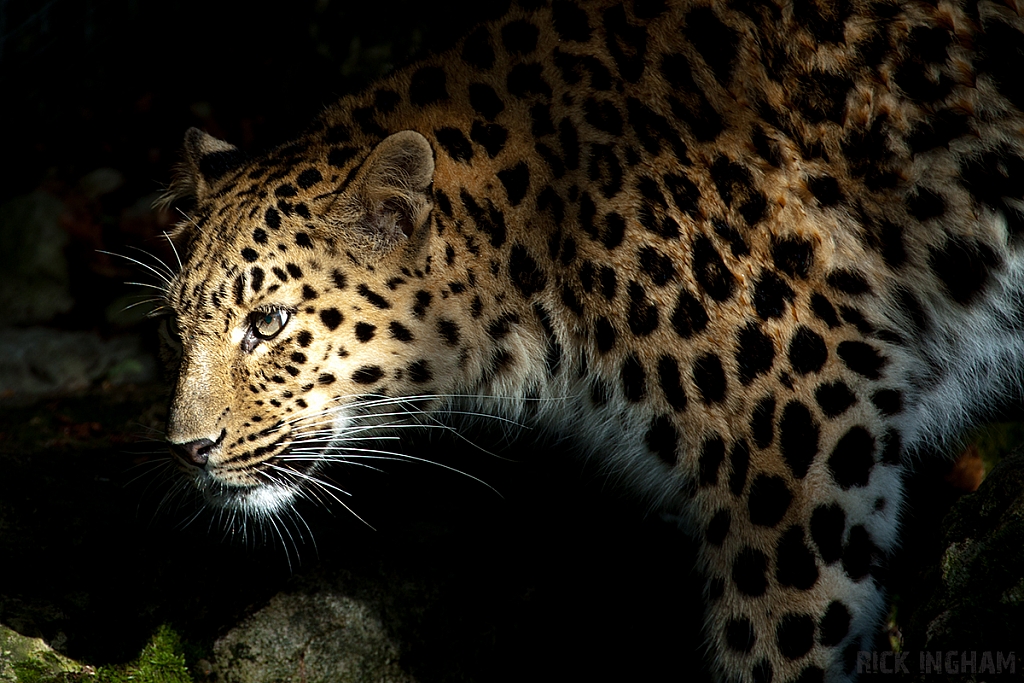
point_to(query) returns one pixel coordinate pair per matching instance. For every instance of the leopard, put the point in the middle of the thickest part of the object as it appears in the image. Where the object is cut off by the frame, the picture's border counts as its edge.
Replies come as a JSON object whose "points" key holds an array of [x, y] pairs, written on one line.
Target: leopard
{"points": [[755, 258]]}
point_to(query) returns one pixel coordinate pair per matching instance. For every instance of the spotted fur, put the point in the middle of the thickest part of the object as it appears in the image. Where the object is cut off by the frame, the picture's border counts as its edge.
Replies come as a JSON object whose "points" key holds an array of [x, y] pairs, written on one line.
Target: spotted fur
{"points": [[752, 255]]}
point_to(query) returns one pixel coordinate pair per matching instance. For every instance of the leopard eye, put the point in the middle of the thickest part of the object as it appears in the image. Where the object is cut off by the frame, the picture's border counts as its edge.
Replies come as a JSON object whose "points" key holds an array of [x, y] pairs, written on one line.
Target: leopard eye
{"points": [[267, 324]]}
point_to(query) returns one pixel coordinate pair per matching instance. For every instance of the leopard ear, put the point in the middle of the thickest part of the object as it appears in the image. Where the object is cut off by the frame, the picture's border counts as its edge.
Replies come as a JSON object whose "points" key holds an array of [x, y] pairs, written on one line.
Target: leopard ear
{"points": [[205, 159], [389, 199]]}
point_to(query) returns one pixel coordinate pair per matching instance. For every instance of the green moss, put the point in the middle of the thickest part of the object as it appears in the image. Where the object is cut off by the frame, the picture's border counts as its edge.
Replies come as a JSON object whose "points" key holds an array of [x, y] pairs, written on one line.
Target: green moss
{"points": [[161, 661]]}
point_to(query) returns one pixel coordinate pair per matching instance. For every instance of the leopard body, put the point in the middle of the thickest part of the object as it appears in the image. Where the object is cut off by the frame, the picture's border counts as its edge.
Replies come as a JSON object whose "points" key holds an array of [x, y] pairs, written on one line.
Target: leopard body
{"points": [[753, 256]]}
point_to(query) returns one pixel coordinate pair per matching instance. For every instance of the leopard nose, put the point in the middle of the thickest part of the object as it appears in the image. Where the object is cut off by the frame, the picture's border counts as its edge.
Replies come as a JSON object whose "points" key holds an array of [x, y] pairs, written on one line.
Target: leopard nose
{"points": [[194, 452]]}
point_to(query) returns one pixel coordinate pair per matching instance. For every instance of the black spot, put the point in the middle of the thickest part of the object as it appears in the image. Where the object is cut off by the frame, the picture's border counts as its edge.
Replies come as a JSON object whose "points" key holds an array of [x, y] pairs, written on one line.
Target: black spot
{"points": [[807, 351], [399, 331], [293, 270], [709, 377], [716, 42], [541, 124], [671, 382], [338, 158], [527, 79], [694, 107], [793, 256], [834, 625], [737, 246], [834, 398], [519, 37], [259, 235], [605, 169], [852, 458], [718, 527], [490, 221], [656, 265], [516, 181], [824, 20], [712, 453], [794, 561], [428, 85], [755, 353], [477, 49], [449, 332], [331, 318], [828, 522], [570, 300], [848, 282], [795, 635], [963, 267], [308, 293], [825, 189], [604, 334], [888, 401], [257, 279], [626, 42], [279, 274], [325, 378], [643, 314], [634, 379], [570, 21], [661, 439], [768, 501], [490, 136], [731, 179], [485, 101], [739, 458], [568, 139], [762, 422], [739, 635], [710, 270], [526, 275], [858, 553], [684, 193], [602, 115], [499, 328], [419, 372], [770, 296], [652, 129], [689, 317], [372, 296], [368, 374], [308, 178], [798, 437], [303, 240], [366, 117], [821, 96], [862, 358], [340, 281], [423, 299], [365, 331], [748, 572], [925, 204], [454, 143], [824, 310], [615, 230], [249, 254], [1002, 56], [304, 338]]}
